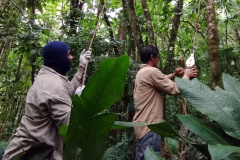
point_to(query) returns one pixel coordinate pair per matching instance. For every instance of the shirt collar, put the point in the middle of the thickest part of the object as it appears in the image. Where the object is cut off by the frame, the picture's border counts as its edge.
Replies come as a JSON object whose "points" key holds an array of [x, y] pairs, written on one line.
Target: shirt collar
{"points": [[144, 65], [53, 71]]}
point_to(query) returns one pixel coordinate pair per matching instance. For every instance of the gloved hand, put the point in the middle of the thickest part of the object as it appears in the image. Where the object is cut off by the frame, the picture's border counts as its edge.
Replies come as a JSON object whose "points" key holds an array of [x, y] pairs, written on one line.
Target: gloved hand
{"points": [[79, 90], [85, 57]]}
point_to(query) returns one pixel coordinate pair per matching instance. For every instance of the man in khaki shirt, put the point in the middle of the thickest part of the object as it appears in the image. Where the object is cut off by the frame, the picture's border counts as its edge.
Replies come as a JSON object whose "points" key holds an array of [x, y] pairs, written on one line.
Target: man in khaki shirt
{"points": [[150, 85], [48, 102]]}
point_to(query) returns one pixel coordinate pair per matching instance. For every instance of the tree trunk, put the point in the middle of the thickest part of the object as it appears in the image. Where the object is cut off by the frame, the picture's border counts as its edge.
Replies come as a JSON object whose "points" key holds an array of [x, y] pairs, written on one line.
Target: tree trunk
{"points": [[213, 45], [226, 40], [226, 32], [74, 5], [18, 69], [148, 22], [1, 51], [2, 48], [136, 34], [170, 63], [7, 112], [131, 46], [33, 58], [237, 36], [4, 57], [121, 36], [110, 30]]}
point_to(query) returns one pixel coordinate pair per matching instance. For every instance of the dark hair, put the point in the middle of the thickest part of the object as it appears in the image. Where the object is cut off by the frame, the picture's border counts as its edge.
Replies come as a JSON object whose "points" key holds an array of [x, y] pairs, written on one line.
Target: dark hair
{"points": [[147, 51]]}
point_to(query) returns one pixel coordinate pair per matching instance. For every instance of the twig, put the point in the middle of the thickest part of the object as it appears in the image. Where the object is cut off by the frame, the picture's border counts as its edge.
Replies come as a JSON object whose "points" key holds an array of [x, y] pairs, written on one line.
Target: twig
{"points": [[21, 13], [194, 28]]}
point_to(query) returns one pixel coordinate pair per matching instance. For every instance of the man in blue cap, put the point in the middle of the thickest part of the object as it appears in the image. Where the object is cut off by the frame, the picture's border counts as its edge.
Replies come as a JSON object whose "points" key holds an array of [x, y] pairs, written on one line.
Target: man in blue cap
{"points": [[48, 102]]}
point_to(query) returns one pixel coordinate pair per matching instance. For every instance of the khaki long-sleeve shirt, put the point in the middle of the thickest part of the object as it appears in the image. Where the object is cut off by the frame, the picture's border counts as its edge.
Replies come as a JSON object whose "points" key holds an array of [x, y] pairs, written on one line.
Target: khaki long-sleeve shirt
{"points": [[48, 106], [150, 84]]}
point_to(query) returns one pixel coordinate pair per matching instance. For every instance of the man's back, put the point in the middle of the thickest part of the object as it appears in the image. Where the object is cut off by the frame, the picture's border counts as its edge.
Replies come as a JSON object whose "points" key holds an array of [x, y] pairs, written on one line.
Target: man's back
{"points": [[48, 106], [150, 83]]}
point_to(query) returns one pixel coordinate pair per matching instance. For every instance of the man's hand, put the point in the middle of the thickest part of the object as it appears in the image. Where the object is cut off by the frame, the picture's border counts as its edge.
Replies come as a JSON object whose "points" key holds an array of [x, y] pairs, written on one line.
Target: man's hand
{"points": [[190, 73], [85, 57], [79, 90], [179, 71]]}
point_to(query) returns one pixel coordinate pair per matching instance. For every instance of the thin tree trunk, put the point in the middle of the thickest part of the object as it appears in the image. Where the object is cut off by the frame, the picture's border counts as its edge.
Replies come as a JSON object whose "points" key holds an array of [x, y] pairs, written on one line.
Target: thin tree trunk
{"points": [[33, 69], [148, 22], [1, 51], [121, 36], [7, 113], [2, 48], [213, 42], [74, 5], [227, 32], [131, 46], [170, 63], [33, 58], [110, 30], [226, 40], [237, 36], [18, 69], [4, 57], [136, 34], [17, 108]]}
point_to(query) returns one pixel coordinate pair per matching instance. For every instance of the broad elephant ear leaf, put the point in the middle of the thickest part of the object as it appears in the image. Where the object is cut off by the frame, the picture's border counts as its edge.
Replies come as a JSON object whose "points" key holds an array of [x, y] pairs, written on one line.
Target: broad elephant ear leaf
{"points": [[231, 85], [164, 128], [221, 106], [210, 132], [111, 150], [88, 127], [222, 151], [123, 125], [3, 146]]}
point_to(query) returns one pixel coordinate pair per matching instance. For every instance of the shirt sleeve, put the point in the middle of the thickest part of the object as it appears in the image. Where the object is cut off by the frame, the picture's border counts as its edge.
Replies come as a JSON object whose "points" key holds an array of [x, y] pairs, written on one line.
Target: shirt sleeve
{"points": [[164, 84], [77, 80], [60, 110], [170, 76]]}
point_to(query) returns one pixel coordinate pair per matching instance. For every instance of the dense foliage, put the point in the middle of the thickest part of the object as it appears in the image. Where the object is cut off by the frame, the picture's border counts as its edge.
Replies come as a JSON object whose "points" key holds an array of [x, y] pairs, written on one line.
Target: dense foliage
{"points": [[27, 25]]}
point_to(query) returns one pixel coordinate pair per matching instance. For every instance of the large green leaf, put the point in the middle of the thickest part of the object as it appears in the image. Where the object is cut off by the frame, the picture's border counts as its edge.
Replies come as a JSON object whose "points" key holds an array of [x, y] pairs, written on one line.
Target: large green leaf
{"points": [[63, 132], [111, 150], [164, 128], [221, 106], [222, 151], [210, 132], [88, 128], [106, 85], [124, 125], [3, 146], [231, 85], [149, 154], [171, 144]]}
